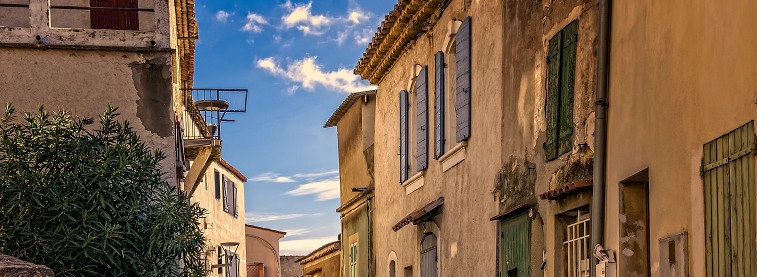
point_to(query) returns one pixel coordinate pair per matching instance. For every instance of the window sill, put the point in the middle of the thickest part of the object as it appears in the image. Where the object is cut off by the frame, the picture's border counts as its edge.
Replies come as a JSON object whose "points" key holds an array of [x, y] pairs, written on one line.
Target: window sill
{"points": [[455, 156], [414, 183]]}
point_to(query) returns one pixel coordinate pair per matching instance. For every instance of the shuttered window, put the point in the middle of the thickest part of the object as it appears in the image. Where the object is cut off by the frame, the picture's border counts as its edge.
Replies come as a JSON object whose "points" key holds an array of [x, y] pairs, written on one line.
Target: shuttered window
{"points": [[235, 206], [515, 249], [421, 119], [561, 66], [439, 111], [114, 14], [404, 136], [728, 173], [463, 82], [353, 259]]}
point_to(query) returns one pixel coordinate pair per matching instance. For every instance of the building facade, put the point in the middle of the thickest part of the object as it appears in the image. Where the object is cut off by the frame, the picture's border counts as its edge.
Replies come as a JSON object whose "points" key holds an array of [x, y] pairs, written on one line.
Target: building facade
{"points": [[680, 162], [221, 193], [355, 121], [322, 262], [263, 259], [483, 148]]}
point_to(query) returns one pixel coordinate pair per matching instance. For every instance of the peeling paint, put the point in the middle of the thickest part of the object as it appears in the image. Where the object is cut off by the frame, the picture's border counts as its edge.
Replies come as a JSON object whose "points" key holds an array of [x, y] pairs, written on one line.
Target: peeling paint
{"points": [[152, 80]]}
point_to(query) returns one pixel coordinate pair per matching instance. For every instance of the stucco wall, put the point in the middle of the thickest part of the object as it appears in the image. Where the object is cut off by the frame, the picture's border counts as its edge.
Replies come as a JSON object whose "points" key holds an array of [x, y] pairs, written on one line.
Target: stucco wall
{"points": [[466, 237], [86, 82], [682, 74], [225, 227], [327, 266], [355, 229], [263, 247], [353, 170]]}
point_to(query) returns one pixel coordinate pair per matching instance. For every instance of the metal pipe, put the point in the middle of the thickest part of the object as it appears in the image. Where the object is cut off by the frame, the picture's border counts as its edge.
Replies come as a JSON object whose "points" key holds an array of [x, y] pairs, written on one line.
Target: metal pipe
{"points": [[600, 129]]}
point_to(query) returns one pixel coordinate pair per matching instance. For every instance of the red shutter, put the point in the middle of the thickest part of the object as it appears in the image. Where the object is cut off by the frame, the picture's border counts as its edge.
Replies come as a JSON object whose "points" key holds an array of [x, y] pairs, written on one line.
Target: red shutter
{"points": [[118, 17]]}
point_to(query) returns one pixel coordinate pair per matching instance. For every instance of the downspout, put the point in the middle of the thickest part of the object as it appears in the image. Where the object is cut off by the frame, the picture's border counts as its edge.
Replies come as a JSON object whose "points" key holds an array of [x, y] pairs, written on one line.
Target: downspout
{"points": [[600, 129]]}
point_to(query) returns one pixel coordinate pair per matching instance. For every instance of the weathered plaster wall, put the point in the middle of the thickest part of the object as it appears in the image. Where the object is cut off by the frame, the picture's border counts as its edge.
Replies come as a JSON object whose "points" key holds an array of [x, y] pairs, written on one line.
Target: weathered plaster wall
{"points": [[86, 82], [682, 74], [355, 229], [525, 172], [225, 227], [353, 169], [262, 246], [466, 237]]}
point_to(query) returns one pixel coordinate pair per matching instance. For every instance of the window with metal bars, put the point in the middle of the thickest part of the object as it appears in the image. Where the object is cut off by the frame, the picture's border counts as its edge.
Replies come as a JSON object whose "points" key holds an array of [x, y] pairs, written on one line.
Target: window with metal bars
{"points": [[561, 66], [577, 245]]}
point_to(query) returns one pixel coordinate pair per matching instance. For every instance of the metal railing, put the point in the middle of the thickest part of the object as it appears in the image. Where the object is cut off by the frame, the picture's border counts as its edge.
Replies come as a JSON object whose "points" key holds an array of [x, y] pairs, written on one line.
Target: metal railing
{"points": [[206, 110]]}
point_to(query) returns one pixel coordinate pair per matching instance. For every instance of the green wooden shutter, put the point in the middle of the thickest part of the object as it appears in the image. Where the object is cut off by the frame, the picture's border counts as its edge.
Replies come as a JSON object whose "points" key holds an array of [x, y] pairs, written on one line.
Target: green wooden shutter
{"points": [[421, 119], [567, 87], [516, 249], [728, 173], [553, 95]]}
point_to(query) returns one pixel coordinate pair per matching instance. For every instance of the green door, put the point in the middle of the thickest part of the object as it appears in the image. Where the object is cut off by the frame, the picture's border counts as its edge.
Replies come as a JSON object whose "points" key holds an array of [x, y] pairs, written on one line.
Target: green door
{"points": [[515, 241], [728, 172]]}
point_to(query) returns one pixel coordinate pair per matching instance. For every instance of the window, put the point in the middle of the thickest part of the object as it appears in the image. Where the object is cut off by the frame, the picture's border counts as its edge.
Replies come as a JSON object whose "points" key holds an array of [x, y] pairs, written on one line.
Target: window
{"points": [[561, 65], [392, 269], [114, 14], [429, 260], [235, 205], [728, 173], [577, 245], [353, 259], [232, 264], [217, 179], [414, 126]]}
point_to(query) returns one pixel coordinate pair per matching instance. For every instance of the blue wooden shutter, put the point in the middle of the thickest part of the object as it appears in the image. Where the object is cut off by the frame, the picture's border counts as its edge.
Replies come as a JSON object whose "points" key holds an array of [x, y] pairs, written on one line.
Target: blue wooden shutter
{"points": [[225, 194], [553, 95], [421, 118], [235, 207], [463, 80], [439, 105], [217, 179], [404, 106], [567, 83]]}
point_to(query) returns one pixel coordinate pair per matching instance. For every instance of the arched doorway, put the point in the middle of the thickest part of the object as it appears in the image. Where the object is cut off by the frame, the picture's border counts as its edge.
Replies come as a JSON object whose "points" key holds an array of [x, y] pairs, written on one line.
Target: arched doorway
{"points": [[429, 261]]}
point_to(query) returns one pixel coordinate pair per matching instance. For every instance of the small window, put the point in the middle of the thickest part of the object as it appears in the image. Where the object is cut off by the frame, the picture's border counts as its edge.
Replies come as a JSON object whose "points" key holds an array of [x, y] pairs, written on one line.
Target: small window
{"points": [[561, 65], [353, 259], [225, 191], [577, 244], [450, 113]]}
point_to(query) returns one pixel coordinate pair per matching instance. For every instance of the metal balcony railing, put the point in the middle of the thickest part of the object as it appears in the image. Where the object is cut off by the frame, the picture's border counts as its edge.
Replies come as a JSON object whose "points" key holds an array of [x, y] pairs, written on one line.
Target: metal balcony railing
{"points": [[206, 110]]}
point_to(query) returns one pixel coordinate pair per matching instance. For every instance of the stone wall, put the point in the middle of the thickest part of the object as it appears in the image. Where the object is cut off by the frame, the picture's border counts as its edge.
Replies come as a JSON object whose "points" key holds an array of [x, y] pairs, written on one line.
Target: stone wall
{"points": [[12, 267]]}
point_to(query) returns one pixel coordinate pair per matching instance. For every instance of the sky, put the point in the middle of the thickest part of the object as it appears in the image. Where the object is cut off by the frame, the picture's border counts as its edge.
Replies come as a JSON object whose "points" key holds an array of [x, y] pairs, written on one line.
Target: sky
{"points": [[296, 58]]}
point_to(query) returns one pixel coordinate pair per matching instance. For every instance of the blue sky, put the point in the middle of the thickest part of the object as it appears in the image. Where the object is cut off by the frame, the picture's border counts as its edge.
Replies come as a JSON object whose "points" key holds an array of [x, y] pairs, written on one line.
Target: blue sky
{"points": [[296, 58]]}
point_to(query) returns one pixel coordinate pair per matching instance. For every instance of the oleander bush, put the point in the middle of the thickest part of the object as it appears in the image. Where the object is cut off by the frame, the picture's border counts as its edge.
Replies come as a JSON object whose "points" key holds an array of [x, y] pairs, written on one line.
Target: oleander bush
{"points": [[88, 198]]}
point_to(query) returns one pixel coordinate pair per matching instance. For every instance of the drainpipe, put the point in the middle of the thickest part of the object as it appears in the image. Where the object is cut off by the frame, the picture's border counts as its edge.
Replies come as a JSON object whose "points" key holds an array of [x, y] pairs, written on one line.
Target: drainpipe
{"points": [[600, 129]]}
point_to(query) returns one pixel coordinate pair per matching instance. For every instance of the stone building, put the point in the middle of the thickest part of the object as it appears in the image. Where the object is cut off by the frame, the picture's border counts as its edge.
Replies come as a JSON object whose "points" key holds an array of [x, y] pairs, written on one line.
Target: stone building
{"points": [[263, 259], [483, 137], [355, 122], [290, 268]]}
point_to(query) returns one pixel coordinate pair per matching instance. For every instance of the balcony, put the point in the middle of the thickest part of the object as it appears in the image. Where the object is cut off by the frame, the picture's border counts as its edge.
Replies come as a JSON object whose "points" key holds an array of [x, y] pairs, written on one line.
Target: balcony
{"points": [[136, 24]]}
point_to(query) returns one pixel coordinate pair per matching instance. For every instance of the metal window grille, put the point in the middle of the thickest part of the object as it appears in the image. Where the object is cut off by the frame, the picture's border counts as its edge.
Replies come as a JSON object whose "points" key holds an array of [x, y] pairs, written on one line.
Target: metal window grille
{"points": [[577, 247]]}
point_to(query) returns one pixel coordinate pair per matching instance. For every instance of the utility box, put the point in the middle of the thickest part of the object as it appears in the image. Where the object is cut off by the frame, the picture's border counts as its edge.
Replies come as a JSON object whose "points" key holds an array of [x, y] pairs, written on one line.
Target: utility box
{"points": [[606, 269]]}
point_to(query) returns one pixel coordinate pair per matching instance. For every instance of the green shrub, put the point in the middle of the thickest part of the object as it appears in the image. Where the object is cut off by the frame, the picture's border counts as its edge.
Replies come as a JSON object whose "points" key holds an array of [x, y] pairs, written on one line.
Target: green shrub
{"points": [[90, 200]]}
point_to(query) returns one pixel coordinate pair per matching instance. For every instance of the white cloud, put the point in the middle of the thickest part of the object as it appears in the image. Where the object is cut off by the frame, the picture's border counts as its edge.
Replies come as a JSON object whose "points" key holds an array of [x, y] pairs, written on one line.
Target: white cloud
{"points": [[357, 16], [271, 178], [253, 217], [316, 174], [301, 16], [364, 36], [296, 232], [309, 74], [303, 246], [254, 23], [324, 190], [223, 16]]}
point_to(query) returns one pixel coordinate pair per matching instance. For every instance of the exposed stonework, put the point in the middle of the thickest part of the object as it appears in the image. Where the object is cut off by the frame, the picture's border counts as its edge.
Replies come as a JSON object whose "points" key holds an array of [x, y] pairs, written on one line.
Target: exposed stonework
{"points": [[13, 267]]}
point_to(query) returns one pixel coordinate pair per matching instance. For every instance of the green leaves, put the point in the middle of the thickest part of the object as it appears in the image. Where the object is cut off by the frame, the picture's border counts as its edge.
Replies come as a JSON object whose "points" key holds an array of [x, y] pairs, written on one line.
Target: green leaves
{"points": [[92, 201]]}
